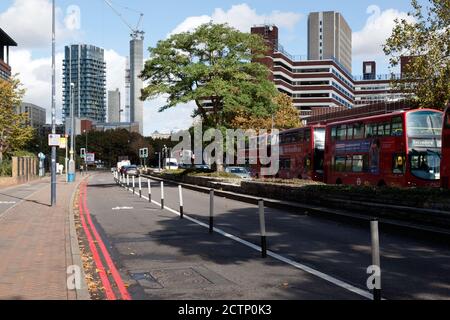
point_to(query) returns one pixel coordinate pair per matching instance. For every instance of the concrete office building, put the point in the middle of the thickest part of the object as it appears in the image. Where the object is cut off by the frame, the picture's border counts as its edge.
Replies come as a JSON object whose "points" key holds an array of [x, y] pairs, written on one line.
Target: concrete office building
{"points": [[37, 116], [324, 85], [114, 110], [5, 43], [84, 65], [136, 83], [330, 38]]}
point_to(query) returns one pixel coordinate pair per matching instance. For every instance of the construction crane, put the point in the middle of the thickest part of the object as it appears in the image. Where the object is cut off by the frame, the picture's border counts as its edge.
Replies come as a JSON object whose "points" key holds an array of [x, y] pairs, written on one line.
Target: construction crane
{"points": [[136, 33]]}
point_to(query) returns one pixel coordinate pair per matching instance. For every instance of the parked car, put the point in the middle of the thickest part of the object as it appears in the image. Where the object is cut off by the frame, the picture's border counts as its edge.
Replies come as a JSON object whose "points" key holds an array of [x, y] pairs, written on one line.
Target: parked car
{"points": [[203, 168], [184, 166], [242, 173], [132, 171], [171, 164]]}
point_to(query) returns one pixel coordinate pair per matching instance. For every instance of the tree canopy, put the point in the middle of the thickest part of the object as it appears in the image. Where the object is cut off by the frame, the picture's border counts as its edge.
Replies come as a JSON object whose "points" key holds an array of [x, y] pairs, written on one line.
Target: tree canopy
{"points": [[426, 38], [286, 117], [213, 64], [14, 129]]}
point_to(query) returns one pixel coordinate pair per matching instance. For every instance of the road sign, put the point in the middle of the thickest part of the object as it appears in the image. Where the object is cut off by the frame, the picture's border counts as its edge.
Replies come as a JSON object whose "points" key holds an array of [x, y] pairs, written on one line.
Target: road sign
{"points": [[63, 143], [54, 140], [90, 158], [41, 156], [143, 153]]}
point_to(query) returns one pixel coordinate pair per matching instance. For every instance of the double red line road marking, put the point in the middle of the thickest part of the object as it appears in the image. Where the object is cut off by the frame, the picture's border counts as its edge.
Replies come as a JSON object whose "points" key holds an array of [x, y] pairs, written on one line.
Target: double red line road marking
{"points": [[88, 226]]}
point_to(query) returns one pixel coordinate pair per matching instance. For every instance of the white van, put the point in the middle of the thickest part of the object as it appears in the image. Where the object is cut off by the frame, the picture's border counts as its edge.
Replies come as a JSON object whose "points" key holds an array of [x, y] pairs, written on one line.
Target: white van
{"points": [[171, 164]]}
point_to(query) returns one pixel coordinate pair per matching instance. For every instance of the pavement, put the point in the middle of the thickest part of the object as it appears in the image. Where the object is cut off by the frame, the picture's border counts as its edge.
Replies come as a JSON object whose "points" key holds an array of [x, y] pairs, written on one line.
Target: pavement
{"points": [[163, 257], [37, 242]]}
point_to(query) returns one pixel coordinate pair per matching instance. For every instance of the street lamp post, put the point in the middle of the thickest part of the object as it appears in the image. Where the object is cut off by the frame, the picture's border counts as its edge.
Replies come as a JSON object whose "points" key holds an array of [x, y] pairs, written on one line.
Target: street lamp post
{"points": [[71, 176], [86, 150], [159, 161], [53, 164], [67, 158], [165, 156]]}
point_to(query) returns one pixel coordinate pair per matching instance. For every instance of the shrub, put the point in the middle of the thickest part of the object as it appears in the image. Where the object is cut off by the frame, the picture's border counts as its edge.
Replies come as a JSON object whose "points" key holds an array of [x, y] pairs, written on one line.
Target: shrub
{"points": [[6, 168]]}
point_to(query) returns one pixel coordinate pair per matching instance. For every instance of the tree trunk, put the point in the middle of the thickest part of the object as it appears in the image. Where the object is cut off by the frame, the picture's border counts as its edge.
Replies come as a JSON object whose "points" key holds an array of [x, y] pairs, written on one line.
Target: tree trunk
{"points": [[220, 167]]}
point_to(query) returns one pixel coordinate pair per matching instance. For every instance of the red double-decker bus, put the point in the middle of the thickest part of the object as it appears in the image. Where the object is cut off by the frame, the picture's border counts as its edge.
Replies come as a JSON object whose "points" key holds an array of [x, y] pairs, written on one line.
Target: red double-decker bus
{"points": [[445, 165], [302, 153], [401, 149]]}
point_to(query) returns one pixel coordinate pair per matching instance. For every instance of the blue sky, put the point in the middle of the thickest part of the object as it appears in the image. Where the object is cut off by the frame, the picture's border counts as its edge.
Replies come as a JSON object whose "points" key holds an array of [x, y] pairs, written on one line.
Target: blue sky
{"points": [[100, 26]]}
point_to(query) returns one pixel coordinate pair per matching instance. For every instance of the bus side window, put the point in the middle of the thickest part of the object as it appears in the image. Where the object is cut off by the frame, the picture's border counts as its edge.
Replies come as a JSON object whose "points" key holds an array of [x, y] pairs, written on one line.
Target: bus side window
{"points": [[349, 132], [333, 133], [342, 133], [397, 127], [399, 164], [358, 131], [381, 130], [349, 164], [307, 135], [339, 164], [301, 135], [371, 130], [368, 131], [358, 164], [387, 129]]}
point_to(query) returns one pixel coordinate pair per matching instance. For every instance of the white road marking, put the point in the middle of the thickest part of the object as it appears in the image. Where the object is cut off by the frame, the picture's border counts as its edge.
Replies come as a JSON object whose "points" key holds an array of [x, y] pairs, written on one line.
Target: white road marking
{"points": [[8, 202], [276, 256], [122, 208]]}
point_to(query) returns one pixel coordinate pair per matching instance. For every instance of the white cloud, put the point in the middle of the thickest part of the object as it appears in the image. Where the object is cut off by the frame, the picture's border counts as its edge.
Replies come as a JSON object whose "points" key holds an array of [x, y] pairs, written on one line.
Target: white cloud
{"points": [[174, 119], [36, 77], [241, 17], [29, 23], [377, 29], [115, 73]]}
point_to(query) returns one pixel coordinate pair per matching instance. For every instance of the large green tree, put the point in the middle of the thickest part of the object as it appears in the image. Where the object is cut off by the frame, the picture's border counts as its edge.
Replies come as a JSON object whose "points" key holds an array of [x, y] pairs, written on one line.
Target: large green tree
{"points": [[212, 63], [14, 130], [425, 37]]}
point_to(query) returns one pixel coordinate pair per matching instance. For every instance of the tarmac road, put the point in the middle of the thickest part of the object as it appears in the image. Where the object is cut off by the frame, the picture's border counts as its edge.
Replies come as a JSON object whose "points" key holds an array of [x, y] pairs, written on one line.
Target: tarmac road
{"points": [[168, 258]]}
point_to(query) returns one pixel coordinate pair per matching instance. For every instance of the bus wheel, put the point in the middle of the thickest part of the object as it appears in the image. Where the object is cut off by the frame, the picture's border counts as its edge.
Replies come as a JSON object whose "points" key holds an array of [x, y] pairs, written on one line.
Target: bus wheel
{"points": [[339, 182], [381, 184]]}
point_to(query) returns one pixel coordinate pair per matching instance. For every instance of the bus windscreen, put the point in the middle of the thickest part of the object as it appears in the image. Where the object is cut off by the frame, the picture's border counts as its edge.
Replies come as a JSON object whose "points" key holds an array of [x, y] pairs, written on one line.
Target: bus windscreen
{"points": [[424, 123]]}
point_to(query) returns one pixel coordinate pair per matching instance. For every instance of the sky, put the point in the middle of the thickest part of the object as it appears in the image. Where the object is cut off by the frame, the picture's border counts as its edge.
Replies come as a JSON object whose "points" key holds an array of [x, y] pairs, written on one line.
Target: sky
{"points": [[94, 22]]}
